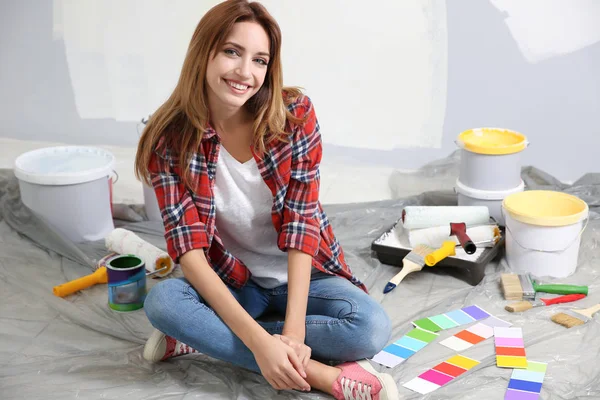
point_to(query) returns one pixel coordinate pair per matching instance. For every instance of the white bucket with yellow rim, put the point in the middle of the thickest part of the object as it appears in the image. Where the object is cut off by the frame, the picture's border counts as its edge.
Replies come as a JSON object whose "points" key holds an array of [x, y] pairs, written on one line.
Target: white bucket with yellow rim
{"points": [[491, 158], [543, 232]]}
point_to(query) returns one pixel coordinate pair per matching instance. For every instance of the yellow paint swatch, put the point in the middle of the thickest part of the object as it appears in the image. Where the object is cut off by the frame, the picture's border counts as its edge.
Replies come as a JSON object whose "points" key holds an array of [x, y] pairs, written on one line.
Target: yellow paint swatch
{"points": [[463, 362], [511, 361]]}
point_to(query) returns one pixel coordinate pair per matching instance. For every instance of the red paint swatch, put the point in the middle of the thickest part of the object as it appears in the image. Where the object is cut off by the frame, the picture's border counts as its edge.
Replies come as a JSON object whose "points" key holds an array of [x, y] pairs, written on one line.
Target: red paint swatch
{"points": [[449, 369], [510, 351], [436, 377], [469, 337]]}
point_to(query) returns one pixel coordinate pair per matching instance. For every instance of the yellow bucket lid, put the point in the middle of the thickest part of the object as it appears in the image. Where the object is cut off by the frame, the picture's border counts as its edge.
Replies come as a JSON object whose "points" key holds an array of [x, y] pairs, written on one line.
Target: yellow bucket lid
{"points": [[492, 141], [545, 208]]}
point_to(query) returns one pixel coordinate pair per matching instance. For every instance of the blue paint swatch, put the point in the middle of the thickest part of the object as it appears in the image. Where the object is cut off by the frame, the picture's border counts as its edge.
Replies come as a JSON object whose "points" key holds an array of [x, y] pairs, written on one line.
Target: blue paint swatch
{"points": [[525, 386], [460, 317], [410, 343], [399, 351]]}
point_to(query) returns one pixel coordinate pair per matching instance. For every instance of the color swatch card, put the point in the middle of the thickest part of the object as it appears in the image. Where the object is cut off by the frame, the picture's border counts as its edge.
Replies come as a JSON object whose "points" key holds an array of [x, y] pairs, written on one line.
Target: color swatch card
{"points": [[475, 334], [452, 319], [397, 352], [526, 384], [441, 374], [510, 348]]}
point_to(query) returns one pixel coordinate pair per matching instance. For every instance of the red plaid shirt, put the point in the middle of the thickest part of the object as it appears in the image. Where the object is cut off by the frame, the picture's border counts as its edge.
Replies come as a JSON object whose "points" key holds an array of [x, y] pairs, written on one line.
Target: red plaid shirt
{"points": [[290, 170]]}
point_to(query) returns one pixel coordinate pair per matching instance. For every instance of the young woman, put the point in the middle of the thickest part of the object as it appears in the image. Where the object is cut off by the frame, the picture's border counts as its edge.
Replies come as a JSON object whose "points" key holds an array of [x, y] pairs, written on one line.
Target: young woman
{"points": [[234, 161]]}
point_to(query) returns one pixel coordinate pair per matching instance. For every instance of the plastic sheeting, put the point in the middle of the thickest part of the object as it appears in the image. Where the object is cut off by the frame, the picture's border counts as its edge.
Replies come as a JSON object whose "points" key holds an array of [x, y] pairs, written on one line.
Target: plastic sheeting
{"points": [[76, 347]]}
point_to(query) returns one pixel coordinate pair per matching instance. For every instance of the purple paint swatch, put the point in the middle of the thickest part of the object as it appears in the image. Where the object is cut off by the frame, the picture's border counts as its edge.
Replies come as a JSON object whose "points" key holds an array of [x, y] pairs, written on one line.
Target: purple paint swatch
{"points": [[519, 395], [476, 312]]}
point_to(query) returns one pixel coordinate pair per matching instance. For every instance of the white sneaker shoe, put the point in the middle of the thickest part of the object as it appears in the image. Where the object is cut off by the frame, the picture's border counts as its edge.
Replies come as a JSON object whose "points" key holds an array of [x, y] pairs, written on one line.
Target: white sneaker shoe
{"points": [[160, 347]]}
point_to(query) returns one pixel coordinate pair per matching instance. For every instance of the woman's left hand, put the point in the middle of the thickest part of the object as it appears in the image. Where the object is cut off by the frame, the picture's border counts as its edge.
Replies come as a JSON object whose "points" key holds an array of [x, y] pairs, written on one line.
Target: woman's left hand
{"points": [[302, 351]]}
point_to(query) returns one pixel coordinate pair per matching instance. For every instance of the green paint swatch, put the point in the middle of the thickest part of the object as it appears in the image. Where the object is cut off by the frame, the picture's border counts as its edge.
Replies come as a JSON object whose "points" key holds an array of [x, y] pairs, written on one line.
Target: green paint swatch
{"points": [[536, 366], [443, 321], [422, 335], [428, 325]]}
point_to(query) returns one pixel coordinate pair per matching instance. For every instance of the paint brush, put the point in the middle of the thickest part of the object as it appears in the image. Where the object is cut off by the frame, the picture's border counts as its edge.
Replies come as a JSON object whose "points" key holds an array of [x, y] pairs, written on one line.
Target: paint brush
{"points": [[523, 287], [413, 261], [527, 305], [575, 316]]}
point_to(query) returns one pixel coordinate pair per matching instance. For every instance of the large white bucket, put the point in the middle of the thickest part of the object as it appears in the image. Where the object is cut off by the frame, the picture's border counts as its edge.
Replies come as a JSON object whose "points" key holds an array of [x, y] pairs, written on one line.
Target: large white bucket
{"points": [[468, 196], [543, 232], [491, 158], [70, 188]]}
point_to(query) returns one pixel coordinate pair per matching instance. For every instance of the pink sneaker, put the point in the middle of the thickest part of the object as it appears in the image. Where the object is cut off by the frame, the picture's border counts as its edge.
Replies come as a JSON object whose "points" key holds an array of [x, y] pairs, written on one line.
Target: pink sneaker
{"points": [[160, 347], [360, 381]]}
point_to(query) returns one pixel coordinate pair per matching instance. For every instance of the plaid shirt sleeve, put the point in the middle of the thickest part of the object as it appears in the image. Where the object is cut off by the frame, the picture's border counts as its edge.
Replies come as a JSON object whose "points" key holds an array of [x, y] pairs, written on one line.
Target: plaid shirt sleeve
{"points": [[301, 225], [183, 229]]}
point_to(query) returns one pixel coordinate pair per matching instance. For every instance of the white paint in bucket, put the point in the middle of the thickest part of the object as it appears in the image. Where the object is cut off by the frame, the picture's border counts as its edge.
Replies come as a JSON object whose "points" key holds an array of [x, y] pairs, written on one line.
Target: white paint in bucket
{"points": [[69, 188], [543, 245]]}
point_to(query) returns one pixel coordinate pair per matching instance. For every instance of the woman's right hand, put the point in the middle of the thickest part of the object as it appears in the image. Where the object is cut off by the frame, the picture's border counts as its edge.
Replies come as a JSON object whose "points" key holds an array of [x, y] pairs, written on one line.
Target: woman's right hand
{"points": [[279, 364]]}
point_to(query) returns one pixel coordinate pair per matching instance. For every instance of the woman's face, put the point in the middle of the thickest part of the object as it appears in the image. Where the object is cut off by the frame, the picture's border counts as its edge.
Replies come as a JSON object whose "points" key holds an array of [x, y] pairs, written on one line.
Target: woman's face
{"points": [[238, 69]]}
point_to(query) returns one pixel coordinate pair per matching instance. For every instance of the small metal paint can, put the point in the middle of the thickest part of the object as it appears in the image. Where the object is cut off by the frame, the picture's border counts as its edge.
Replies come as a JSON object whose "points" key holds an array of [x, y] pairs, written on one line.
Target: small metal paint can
{"points": [[126, 282]]}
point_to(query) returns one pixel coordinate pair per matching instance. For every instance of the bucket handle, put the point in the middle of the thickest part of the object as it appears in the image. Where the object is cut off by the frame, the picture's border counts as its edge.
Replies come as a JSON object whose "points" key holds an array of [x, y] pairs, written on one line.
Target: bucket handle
{"points": [[587, 219], [117, 175]]}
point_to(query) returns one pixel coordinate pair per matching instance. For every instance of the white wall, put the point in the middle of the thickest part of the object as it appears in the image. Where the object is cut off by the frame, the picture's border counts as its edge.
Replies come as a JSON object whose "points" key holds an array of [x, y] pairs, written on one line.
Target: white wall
{"points": [[490, 82]]}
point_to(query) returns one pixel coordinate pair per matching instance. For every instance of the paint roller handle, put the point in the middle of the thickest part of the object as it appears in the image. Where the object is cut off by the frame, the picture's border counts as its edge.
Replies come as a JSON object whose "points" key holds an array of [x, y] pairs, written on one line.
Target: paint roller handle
{"points": [[560, 289], [460, 231], [99, 276], [448, 249]]}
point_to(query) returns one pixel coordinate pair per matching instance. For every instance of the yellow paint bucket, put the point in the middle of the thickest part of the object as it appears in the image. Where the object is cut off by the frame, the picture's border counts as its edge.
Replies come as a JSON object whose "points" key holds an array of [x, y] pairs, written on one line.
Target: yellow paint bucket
{"points": [[543, 232], [491, 158]]}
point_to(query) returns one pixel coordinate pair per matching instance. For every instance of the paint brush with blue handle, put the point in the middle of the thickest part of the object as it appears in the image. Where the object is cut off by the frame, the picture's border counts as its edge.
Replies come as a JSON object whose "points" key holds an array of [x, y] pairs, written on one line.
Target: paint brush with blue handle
{"points": [[413, 261]]}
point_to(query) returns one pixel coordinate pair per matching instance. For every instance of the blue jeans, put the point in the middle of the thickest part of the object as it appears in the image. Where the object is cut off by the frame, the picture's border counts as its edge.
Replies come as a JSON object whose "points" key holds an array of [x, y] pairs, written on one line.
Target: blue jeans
{"points": [[342, 324]]}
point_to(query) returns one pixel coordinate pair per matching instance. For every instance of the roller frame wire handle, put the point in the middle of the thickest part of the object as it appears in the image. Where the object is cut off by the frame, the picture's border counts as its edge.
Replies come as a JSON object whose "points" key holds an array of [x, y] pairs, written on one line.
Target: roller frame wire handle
{"points": [[117, 175], [587, 219]]}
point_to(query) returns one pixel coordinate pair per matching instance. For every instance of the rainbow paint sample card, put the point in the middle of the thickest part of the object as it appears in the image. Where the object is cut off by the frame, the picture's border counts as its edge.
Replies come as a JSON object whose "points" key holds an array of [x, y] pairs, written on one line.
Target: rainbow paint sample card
{"points": [[526, 384], [397, 352], [510, 348], [475, 334], [452, 319], [441, 374]]}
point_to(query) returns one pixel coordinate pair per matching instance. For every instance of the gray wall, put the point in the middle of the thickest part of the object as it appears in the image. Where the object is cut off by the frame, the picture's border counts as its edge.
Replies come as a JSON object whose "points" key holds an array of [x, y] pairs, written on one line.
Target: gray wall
{"points": [[556, 103]]}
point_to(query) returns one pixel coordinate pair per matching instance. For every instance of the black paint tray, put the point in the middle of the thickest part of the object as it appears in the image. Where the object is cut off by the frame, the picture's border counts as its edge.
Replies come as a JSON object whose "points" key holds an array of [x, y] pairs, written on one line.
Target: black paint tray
{"points": [[391, 247]]}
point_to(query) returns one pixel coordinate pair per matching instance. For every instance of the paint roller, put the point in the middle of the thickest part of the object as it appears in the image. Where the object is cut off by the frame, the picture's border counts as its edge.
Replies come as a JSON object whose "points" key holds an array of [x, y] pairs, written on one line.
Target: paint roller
{"points": [[482, 235], [415, 217], [419, 217], [123, 241]]}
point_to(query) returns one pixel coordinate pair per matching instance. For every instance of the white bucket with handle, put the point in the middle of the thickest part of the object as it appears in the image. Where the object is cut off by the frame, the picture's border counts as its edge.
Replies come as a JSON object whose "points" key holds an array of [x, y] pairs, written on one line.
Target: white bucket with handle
{"points": [[543, 232], [70, 188]]}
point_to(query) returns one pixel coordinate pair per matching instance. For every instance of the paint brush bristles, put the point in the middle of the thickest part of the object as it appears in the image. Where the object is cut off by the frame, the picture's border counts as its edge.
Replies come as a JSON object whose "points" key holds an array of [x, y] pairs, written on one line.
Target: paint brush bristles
{"points": [[517, 287], [519, 306], [575, 317]]}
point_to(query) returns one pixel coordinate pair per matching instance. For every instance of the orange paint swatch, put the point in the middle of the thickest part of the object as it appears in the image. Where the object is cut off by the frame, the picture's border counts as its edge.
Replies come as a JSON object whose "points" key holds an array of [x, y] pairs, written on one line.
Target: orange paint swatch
{"points": [[449, 369], [469, 337], [510, 351]]}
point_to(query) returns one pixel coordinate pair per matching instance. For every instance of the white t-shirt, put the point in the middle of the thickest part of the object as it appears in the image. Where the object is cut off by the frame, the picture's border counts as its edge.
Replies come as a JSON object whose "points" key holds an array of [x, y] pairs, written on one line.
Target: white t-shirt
{"points": [[243, 202]]}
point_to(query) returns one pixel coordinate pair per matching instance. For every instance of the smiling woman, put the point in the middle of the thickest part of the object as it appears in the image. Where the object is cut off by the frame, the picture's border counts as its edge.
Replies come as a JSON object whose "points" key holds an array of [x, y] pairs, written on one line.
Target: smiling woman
{"points": [[234, 157]]}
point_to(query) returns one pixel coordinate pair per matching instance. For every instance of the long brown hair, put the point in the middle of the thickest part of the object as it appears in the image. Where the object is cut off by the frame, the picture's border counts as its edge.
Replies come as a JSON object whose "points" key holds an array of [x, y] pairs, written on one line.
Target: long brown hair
{"points": [[183, 118]]}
